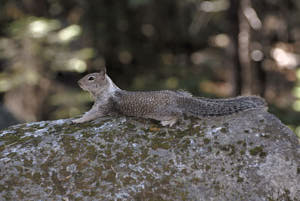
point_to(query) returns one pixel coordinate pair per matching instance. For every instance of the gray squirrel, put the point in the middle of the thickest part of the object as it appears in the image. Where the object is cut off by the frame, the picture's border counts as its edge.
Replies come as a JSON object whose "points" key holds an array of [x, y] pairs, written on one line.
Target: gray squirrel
{"points": [[165, 106]]}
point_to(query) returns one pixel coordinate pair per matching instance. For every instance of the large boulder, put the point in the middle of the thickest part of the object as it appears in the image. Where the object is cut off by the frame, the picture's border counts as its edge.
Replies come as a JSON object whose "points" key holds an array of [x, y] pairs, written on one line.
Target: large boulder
{"points": [[246, 156]]}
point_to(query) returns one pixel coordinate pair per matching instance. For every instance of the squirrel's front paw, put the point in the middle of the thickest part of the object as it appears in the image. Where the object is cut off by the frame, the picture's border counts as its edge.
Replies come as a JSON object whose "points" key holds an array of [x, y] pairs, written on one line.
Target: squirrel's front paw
{"points": [[77, 121], [69, 121]]}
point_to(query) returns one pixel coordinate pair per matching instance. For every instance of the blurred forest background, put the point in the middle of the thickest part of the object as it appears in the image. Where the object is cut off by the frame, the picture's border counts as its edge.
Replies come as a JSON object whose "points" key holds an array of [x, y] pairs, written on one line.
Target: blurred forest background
{"points": [[212, 48]]}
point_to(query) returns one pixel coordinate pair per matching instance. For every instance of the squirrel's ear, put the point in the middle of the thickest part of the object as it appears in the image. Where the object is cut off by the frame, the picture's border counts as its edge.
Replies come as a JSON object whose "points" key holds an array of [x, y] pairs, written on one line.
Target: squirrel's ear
{"points": [[103, 71]]}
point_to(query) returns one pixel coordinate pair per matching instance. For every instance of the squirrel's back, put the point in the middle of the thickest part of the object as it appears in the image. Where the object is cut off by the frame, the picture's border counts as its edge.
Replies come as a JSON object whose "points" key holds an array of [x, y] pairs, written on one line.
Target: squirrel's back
{"points": [[180, 102], [144, 103]]}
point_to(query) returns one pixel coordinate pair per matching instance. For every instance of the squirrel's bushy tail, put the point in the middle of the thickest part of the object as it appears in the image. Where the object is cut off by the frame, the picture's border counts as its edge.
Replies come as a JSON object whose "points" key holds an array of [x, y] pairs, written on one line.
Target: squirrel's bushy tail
{"points": [[202, 107]]}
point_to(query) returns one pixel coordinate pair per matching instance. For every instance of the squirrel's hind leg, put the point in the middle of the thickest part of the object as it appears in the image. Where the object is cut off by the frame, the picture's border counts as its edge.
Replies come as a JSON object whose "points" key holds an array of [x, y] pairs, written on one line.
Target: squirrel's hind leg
{"points": [[169, 122], [169, 116]]}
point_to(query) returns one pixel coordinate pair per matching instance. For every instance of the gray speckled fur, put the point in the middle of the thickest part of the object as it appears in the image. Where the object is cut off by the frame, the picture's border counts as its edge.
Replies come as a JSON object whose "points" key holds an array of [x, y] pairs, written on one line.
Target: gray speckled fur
{"points": [[165, 106], [159, 104]]}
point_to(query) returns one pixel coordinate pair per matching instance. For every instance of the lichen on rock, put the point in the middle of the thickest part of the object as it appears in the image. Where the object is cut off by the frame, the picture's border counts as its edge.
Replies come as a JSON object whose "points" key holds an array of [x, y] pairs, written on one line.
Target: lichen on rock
{"points": [[247, 156]]}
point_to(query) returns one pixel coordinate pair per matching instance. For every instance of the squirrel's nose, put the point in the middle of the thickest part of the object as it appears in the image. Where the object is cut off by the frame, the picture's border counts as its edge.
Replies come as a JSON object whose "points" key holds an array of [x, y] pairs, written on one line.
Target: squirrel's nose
{"points": [[79, 82]]}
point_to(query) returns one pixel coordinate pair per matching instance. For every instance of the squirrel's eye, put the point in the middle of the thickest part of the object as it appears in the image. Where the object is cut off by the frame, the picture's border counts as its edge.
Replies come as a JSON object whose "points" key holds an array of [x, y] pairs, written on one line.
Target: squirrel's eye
{"points": [[91, 78]]}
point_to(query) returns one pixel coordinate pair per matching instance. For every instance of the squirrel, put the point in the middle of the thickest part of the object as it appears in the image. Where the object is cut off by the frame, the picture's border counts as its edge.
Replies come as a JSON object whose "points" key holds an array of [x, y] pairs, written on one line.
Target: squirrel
{"points": [[165, 106]]}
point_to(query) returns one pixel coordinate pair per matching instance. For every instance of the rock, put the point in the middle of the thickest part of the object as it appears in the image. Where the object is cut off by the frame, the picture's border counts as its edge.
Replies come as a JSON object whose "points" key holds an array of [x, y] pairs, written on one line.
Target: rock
{"points": [[247, 156]]}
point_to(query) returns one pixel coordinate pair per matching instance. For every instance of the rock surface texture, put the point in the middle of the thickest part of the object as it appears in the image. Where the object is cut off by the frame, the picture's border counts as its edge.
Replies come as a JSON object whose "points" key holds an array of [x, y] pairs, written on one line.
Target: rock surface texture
{"points": [[247, 156]]}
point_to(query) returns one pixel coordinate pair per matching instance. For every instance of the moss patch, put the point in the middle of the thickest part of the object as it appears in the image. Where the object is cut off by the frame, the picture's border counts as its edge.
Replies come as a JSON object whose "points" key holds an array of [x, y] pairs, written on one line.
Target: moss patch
{"points": [[258, 151]]}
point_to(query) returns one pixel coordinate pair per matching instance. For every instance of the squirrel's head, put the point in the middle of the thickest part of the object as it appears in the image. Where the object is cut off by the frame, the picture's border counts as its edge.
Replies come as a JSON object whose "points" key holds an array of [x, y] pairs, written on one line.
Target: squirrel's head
{"points": [[94, 83]]}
